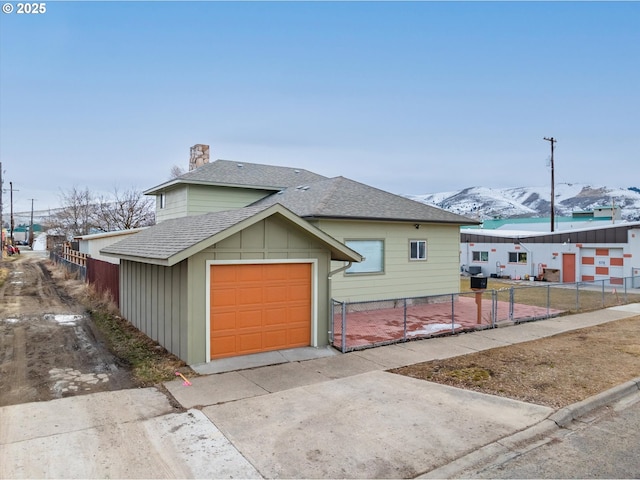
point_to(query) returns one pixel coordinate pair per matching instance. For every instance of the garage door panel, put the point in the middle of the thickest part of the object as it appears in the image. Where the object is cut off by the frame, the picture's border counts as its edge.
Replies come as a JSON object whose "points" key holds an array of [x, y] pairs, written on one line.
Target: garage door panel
{"points": [[249, 295], [298, 336], [252, 273], [276, 272], [225, 321], [250, 342], [275, 340], [275, 293], [256, 308], [224, 297], [224, 345], [298, 314], [275, 316], [224, 275], [299, 293], [249, 319]]}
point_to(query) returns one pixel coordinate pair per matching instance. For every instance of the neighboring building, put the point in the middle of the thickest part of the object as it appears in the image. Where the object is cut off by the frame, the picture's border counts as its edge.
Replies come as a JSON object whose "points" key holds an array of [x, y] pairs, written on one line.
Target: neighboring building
{"points": [[603, 217], [246, 258], [608, 252], [92, 244]]}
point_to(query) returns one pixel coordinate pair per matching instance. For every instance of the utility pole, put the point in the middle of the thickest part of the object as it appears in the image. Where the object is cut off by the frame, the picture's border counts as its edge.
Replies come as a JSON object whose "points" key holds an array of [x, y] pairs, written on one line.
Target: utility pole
{"points": [[553, 195], [31, 226], [12, 225]]}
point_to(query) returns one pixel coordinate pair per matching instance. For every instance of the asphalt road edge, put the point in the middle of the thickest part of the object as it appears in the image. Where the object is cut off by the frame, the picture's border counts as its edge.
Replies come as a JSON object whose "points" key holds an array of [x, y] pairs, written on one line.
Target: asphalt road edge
{"points": [[512, 445]]}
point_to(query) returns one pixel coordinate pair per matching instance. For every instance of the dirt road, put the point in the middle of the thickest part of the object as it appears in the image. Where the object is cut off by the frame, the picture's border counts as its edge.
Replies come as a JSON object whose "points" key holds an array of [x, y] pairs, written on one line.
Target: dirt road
{"points": [[48, 347]]}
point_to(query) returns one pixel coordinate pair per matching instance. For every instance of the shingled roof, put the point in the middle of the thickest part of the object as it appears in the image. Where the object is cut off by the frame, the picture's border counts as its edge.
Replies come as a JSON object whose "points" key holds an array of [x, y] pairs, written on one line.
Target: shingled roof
{"points": [[172, 241], [242, 174], [341, 197]]}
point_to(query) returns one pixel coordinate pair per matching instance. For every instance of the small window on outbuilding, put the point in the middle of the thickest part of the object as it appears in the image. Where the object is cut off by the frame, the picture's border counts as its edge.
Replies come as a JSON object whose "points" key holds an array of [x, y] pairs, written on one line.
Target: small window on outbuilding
{"points": [[480, 256], [161, 200], [517, 257]]}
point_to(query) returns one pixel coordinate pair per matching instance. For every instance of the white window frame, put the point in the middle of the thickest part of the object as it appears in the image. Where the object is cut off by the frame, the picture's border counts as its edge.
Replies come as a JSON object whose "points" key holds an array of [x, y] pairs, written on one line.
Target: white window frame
{"points": [[521, 257], [480, 255], [417, 258]]}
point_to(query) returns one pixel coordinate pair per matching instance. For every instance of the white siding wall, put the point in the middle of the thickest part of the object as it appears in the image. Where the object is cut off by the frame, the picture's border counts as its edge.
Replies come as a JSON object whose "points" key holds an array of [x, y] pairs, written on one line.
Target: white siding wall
{"points": [[548, 255], [92, 246]]}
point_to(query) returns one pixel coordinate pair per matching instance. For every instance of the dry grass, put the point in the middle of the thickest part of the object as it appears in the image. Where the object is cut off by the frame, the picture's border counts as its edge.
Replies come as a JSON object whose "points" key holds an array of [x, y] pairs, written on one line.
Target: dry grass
{"points": [[554, 371], [151, 363], [565, 298], [4, 273]]}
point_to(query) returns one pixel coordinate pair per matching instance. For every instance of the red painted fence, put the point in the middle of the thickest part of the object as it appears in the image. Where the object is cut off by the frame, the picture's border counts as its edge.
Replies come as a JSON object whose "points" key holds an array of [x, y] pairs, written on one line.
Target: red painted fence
{"points": [[105, 277]]}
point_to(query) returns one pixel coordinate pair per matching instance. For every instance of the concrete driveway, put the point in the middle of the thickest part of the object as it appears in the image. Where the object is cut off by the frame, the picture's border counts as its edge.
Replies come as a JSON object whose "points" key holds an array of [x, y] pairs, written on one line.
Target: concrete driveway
{"points": [[373, 425]]}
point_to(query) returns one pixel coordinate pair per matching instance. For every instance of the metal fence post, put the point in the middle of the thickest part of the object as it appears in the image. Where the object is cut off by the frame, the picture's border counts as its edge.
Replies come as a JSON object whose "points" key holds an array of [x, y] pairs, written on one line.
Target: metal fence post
{"points": [[577, 296], [511, 302], [453, 314], [624, 281], [404, 335], [494, 308], [344, 328], [548, 301]]}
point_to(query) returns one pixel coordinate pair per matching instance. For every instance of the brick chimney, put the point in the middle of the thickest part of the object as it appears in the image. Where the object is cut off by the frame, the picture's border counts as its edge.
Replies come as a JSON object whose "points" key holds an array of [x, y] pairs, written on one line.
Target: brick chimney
{"points": [[199, 156]]}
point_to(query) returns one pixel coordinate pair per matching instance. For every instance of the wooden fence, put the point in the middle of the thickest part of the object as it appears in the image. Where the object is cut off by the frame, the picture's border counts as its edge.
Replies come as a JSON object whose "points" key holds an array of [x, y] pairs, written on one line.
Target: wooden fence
{"points": [[105, 277]]}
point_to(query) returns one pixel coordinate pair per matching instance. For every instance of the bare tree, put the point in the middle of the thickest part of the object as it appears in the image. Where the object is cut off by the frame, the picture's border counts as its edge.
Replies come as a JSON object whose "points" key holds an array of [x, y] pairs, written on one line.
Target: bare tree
{"points": [[81, 213], [176, 172], [77, 214], [124, 210]]}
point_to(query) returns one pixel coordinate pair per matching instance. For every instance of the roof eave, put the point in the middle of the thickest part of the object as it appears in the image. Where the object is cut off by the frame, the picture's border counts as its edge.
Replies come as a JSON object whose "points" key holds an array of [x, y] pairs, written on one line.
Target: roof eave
{"points": [[339, 251], [133, 258], [384, 219], [163, 187]]}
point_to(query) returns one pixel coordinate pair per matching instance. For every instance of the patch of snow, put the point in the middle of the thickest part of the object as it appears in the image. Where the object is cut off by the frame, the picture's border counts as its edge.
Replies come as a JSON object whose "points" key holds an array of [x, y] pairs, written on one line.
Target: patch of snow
{"points": [[70, 320], [432, 328]]}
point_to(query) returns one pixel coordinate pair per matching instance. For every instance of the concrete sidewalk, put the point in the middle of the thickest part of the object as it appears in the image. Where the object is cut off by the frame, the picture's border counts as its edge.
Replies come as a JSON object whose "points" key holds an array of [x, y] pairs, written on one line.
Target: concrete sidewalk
{"points": [[344, 416], [312, 414]]}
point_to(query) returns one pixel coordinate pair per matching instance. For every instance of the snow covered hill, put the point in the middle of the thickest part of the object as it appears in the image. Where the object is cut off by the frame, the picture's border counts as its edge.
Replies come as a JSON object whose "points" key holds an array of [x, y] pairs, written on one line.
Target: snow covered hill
{"points": [[488, 203]]}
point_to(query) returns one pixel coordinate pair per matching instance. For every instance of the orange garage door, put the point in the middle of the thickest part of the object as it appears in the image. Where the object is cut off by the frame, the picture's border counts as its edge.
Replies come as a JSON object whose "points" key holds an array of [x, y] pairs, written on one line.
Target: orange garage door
{"points": [[257, 308]]}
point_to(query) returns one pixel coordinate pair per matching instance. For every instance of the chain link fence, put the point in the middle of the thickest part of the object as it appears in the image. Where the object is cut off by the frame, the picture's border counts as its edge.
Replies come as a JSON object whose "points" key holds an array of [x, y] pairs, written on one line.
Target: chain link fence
{"points": [[359, 325]]}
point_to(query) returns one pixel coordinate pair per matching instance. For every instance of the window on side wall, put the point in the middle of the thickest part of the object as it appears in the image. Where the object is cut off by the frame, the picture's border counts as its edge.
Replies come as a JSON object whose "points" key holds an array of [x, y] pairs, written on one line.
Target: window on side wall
{"points": [[480, 256], [517, 257], [417, 249], [373, 253], [161, 200]]}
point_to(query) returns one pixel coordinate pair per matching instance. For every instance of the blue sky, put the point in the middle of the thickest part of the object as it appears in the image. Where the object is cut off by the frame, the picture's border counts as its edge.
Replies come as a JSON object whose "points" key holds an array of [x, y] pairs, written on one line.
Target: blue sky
{"points": [[410, 97]]}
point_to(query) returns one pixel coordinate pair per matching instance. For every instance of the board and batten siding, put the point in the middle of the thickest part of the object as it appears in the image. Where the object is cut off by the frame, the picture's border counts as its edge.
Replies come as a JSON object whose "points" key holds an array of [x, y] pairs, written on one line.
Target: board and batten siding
{"points": [[154, 299], [268, 240], [439, 274]]}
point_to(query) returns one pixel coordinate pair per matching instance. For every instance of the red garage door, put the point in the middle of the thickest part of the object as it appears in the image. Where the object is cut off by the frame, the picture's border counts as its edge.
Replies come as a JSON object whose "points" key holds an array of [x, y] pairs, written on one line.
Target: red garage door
{"points": [[259, 307]]}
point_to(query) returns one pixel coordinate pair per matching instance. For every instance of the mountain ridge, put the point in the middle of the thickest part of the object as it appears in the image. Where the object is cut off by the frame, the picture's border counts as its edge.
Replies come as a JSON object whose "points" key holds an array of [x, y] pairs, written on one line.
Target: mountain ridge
{"points": [[485, 203]]}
